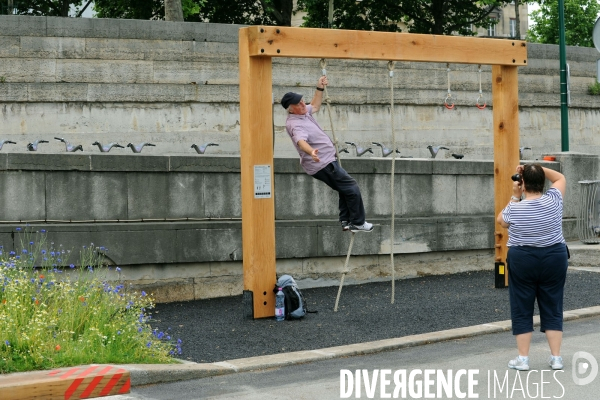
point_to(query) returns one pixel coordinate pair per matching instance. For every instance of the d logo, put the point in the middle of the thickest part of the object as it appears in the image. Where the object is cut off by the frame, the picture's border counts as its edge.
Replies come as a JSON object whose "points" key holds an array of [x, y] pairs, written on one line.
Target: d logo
{"points": [[582, 361]]}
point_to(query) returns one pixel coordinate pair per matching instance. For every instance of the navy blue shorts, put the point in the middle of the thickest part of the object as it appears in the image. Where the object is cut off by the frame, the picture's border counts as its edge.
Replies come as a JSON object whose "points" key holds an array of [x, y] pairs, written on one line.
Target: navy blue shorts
{"points": [[536, 273]]}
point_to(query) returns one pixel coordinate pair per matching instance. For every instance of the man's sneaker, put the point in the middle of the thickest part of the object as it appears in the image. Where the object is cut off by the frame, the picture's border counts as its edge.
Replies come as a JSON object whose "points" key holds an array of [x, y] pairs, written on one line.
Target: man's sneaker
{"points": [[519, 363], [345, 225], [366, 227], [555, 362]]}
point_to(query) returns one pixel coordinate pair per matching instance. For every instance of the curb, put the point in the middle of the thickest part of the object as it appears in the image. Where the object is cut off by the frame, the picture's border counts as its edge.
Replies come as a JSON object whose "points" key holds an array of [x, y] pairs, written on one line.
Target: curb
{"points": [[145, 374]]}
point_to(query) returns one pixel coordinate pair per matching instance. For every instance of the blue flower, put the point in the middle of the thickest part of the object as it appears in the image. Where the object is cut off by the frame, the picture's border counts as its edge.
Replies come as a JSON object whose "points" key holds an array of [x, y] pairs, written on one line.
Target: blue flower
{"points": [[18, 229], [143, 293], [6, 342], [24, 251], [71, 266], [43, 251], [52, 253], [118, 332], [118, 269], [43, 231], [149, 344], [12, 253], [31, 243], [140, 329], [160, 335], [18, 257]]}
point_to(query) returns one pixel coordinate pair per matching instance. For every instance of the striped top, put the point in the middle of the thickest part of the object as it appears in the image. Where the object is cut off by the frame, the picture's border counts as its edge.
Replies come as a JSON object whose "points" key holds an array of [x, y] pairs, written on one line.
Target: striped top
{"points": [[537, 222]]}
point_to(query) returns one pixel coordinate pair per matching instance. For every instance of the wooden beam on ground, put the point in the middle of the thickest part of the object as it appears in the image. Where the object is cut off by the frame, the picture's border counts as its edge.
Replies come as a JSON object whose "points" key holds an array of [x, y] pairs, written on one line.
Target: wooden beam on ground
{"points": [[505, 95], [256, 160], [83, 382], [277, 41]]}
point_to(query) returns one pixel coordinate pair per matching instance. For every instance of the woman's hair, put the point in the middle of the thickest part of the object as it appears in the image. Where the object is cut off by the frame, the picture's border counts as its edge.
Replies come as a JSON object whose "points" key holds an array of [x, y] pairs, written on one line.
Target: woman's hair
{"points": [[534, 178]]}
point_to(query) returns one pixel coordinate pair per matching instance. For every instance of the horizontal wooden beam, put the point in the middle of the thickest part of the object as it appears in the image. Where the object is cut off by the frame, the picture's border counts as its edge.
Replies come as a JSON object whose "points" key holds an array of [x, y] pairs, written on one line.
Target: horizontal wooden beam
{"points": [[367, 45]]}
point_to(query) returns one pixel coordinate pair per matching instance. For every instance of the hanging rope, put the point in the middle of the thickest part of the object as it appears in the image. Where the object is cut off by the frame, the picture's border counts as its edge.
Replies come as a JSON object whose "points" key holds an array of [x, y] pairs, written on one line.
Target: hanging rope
{"points": [[337, 299], [449, 96], [480, 98], [391, 65], [323, 65]]}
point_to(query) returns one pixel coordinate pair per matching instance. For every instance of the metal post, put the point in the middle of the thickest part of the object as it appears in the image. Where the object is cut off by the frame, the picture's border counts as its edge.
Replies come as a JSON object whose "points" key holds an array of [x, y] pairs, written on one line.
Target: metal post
{"points": [[564, 110], [330, 15]]}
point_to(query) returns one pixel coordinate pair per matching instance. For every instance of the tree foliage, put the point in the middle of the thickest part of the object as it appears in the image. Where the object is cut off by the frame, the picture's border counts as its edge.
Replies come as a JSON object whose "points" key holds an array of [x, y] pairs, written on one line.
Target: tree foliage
{"points": [[440, 17], [142, 9], [580, 17], [52, 8]]}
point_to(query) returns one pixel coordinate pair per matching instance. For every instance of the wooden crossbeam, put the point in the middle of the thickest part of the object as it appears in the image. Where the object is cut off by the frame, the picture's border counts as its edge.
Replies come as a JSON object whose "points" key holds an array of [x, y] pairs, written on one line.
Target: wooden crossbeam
{"points": [[83, 382], [366, 45]]}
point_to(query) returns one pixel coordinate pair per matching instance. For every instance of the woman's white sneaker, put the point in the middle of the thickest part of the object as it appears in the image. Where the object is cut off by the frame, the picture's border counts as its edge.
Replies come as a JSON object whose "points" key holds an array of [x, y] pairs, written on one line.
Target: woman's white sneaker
{"points": [[520, 363], [555, 362]]}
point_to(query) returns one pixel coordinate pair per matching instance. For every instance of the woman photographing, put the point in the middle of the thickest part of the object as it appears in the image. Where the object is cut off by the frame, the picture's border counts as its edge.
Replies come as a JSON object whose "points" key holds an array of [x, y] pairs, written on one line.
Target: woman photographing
{"points": [[537, 259]]}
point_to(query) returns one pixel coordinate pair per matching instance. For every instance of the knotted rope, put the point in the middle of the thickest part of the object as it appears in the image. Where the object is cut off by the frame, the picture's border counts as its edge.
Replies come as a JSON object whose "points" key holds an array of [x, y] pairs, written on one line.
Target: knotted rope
{"points": [[391, 65], [323, 65], [337, 299]]}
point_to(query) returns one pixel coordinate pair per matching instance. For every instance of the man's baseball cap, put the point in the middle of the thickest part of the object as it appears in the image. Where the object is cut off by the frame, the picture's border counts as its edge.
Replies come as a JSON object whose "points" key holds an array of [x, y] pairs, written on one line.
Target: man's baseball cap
{"points": [[290, 98]]}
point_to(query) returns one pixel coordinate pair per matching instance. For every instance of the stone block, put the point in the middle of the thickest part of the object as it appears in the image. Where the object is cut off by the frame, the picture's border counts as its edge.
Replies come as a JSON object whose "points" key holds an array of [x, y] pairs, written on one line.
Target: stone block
{"points": [[28, 70], [104, 28], [147, 195], [417, 195], [145, 93], [453, 166], [208, 288], [48, 162], [228, 33], [199, 163], [332, 241], [469, 203], [83, 197], [211, 93], [121, 49], [196, 50], [445, 194], [9, 46], [21, 25], [23, 195], [141, 244], [218, 203], [576, 167], [52, 47], [129, 163], [202, 73], [226, 268], [185, 195], [166, 291], [136, 29], [57, 92], [296, 241], [455, 233], [6, 243], [376, 195], [412, 235], [203, 245], [12, 92], [295, 199], [3, 161], [169, 30], [69, 27], [105, 71]]}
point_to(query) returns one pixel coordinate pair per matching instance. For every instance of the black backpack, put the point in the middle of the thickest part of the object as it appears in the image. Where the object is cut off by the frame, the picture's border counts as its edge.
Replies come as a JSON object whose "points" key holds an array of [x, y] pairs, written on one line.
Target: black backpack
{"points": [[295, 305]]}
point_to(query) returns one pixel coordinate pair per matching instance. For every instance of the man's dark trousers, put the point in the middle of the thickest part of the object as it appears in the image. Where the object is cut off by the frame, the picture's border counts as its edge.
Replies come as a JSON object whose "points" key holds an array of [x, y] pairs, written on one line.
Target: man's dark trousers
{"points": [[351, 204]]}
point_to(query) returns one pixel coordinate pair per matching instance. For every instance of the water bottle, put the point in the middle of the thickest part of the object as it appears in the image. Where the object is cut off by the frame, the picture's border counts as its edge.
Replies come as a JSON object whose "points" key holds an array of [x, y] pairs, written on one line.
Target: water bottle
{"points": [[279, 305]]}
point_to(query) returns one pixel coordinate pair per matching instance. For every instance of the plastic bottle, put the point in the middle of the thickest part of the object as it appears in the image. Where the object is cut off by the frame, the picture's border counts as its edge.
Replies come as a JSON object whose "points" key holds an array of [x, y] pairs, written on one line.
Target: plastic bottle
{"points": [[279, 305]]}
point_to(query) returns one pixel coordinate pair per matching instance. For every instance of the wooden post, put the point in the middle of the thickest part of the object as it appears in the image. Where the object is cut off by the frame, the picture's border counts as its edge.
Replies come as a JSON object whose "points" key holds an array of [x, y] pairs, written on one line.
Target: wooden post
{"points": [[505, 94], [256, 160]]}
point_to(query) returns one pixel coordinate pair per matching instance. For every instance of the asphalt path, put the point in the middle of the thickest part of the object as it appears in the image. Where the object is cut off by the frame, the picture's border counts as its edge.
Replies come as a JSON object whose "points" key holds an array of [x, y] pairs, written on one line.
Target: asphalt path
{"points": [[483, 357], [214, 330]]}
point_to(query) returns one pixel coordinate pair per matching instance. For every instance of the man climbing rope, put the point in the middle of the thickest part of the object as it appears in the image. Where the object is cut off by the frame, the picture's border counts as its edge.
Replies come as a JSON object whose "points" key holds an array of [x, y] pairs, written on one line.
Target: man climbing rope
{"points": [[318, 157]]}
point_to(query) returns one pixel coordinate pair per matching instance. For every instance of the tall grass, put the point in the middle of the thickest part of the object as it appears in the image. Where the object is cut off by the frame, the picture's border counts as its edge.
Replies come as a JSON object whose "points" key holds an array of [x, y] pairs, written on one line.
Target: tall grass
{"points": [[53, 316]]}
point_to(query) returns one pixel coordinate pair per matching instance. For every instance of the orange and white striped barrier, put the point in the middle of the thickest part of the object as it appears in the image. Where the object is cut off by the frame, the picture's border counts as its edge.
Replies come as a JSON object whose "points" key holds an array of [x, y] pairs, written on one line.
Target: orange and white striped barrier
{"points": [[84, 382]]}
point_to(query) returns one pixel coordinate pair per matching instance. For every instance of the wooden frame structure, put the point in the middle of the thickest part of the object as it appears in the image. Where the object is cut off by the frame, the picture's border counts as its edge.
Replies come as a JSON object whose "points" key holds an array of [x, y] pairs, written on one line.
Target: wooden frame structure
{"points": [[257, 46]]}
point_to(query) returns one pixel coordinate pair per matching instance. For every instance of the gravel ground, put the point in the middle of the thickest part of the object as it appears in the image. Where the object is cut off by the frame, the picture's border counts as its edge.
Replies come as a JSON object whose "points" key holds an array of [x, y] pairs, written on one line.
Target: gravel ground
{"points": [[215, 330]]}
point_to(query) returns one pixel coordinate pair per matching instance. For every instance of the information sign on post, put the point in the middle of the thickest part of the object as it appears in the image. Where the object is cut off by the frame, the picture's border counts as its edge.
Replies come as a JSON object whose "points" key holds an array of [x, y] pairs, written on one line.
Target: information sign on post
{"points": [[262, 181]]}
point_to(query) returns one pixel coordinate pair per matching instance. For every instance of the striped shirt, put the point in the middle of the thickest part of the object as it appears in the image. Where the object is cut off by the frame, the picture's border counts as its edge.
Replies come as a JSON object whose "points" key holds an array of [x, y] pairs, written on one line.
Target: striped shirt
{"points": [[536, 222]]}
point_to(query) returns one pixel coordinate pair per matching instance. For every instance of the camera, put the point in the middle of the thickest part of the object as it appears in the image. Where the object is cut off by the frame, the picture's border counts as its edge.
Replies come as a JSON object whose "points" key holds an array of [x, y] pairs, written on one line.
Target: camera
{"points": [[517, 178]]}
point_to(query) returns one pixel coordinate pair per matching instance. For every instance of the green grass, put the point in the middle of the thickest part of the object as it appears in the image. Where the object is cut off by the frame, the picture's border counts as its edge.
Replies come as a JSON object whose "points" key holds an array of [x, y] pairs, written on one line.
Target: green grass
{"points": [[56, 317]]}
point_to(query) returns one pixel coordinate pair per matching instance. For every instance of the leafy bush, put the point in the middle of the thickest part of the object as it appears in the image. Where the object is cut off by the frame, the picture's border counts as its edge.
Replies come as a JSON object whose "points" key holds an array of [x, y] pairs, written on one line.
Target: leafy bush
{"points": [[56, 317], [594, 89]]}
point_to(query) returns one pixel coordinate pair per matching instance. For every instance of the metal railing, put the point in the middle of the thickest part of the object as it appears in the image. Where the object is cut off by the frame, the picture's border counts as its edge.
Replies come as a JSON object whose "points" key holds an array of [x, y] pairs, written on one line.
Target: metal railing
{"points": [[588, 220]]}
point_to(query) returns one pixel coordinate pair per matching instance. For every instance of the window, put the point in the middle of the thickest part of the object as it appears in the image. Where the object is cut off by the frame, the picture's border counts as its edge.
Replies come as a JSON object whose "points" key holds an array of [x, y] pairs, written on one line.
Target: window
{"points": [[513, 27], [492, 28]]}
